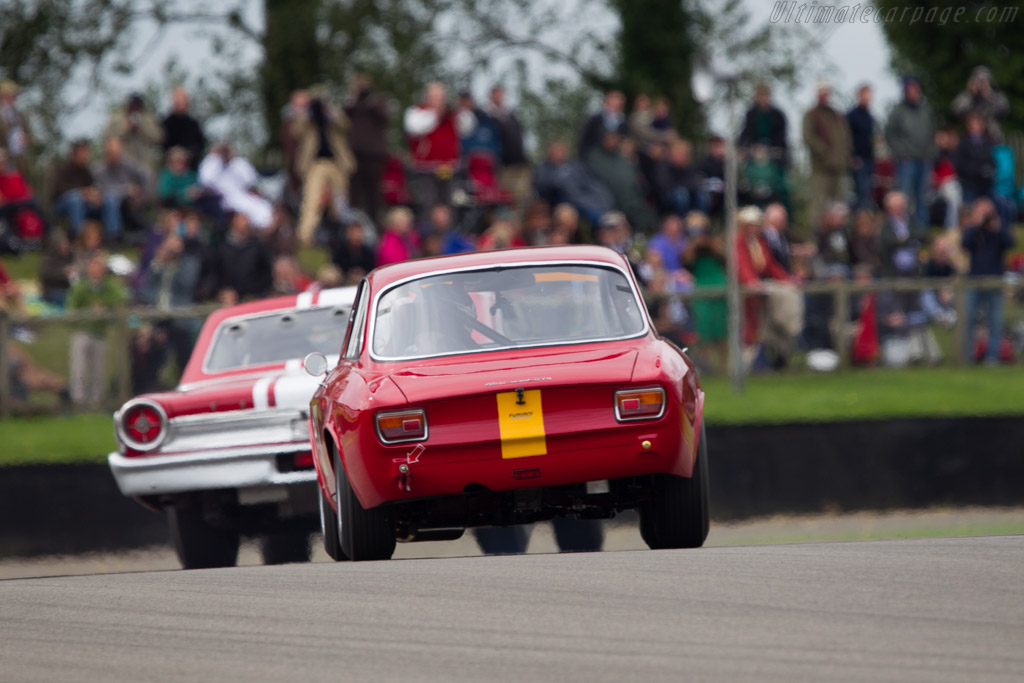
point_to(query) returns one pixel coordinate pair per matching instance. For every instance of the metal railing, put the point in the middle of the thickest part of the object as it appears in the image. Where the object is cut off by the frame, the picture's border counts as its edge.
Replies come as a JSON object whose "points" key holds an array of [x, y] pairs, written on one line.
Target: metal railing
{"points": [[122, 322], [842, 292]]}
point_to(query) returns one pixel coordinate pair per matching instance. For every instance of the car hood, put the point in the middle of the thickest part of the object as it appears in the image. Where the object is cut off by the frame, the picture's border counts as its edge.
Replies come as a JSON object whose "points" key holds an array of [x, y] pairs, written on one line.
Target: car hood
{"points": [[507, 370]]}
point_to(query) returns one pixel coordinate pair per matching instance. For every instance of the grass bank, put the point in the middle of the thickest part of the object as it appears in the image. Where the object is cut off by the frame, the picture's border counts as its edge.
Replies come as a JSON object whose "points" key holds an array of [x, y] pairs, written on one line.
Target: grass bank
{"points": [[865, 394]]}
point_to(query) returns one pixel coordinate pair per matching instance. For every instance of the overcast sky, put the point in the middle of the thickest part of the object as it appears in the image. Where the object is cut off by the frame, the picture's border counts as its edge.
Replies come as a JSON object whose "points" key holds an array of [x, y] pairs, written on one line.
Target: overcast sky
{"points": [[856, 53]]}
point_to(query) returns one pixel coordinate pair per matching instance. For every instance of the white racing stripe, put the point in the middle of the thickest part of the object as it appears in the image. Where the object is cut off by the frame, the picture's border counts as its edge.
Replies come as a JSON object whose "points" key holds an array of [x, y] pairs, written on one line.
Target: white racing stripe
{"points": [[295, 390], [304, 300], [261, 393]]}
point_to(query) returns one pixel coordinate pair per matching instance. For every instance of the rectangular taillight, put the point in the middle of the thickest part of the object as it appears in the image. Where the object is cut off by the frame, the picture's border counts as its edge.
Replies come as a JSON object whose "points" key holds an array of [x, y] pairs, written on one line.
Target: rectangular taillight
{"points": [[639, 404], [402, 426]]}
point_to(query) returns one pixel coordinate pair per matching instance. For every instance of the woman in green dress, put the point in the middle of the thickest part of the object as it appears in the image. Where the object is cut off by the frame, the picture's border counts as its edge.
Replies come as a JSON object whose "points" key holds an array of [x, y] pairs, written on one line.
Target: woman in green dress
{"points": [[705, 259]]}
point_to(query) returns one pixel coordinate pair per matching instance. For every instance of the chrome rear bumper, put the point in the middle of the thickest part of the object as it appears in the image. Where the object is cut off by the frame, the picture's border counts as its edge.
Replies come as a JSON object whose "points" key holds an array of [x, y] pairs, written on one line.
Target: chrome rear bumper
{"points": [[222, 468]]}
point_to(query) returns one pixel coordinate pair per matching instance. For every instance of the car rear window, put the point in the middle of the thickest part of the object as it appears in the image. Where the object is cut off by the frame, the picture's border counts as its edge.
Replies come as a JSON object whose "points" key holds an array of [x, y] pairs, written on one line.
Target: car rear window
{"points": [[507, 307], [276, 337]]}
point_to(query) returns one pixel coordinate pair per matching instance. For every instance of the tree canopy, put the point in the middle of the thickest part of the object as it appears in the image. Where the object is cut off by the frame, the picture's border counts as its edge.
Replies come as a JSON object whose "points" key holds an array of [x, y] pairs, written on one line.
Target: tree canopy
{"points": [[987, 34]]}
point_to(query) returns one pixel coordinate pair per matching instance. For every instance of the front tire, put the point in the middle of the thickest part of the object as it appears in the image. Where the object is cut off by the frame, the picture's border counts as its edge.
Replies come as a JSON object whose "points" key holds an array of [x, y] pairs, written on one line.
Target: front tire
{"points": [[365, 535], [285, 547], [677, 515], [199, 544]]}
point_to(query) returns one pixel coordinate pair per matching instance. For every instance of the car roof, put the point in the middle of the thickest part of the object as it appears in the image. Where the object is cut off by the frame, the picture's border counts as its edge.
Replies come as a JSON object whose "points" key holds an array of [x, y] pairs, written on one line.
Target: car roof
{"points": [[385, 275], [338, 296]]}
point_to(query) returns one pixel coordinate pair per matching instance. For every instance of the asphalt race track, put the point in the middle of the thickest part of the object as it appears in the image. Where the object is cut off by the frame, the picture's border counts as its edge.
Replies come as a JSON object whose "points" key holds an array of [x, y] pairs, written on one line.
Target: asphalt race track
{"points": [[915, 610]]}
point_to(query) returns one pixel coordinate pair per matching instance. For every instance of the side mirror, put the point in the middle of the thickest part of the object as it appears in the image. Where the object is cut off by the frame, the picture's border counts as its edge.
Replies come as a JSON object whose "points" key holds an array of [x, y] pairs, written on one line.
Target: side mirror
{"points": [[315, 364]]}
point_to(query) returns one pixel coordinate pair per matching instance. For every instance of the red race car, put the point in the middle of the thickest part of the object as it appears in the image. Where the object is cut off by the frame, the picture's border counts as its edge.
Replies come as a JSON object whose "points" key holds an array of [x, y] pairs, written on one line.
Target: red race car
{"points": [[227, 452], [503, 388]]}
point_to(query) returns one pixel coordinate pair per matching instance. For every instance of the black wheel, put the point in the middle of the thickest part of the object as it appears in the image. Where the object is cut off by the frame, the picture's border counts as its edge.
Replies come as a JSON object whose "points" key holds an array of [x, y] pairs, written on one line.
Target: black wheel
{"points": [[364, 534], [199, 544], [677, 516], [329, 529], [503, 540], [283, 547], [578, 535]]}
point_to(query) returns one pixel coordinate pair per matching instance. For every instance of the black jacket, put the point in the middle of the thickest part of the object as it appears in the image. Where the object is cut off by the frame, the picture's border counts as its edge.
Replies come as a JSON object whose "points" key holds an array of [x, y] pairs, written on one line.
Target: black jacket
{"points": [[594, 130], [975, 165], [862, 133], [183, 130], [243, 266], [776, 137]]}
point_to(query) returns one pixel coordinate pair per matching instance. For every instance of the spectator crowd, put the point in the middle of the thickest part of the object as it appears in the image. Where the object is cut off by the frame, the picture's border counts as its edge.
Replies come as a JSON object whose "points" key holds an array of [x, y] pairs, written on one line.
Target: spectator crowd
{"points": [[895, 199]]}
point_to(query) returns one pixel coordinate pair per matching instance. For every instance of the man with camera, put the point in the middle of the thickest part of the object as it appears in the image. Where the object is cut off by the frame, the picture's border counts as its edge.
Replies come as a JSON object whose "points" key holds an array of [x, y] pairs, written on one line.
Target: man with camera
{"points": [[986, 239], [323, 159]]}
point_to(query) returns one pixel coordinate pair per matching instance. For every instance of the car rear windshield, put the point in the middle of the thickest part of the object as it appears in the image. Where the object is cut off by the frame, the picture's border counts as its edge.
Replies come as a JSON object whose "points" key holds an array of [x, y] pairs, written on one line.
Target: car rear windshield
{"points": [[276, 337], [500, 308]]}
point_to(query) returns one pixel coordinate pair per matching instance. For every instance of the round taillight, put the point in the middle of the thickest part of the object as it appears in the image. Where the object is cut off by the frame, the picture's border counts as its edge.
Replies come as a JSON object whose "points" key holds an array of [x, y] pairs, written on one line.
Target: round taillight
{"points": [[142, 425]]}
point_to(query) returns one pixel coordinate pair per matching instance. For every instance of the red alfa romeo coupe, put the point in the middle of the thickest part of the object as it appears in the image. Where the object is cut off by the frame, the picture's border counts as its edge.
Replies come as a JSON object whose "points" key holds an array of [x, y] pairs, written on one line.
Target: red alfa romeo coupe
{"points": [[504, 388]]}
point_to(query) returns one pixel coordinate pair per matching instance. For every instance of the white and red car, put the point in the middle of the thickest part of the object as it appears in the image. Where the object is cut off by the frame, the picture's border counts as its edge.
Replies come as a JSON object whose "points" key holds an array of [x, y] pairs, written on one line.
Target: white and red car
{"points": [[227, 452]]}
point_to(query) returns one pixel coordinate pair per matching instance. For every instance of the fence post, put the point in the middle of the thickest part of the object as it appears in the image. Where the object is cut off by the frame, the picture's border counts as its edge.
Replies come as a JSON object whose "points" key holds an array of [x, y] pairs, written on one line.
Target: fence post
{"points": [[122, 345], [841, 306], [5, 366], [960, 328]]}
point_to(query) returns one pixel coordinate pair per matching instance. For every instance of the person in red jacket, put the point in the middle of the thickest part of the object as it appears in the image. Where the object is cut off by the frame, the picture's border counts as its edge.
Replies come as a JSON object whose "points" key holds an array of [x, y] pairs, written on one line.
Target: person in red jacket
{"points": [[18, 206], [434, 128], [782, 308]]}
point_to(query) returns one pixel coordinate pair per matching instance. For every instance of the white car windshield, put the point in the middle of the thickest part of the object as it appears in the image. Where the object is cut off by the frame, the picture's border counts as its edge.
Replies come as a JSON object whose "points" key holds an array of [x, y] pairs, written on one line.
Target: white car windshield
{"points": [[276, 337], [500, 308]]}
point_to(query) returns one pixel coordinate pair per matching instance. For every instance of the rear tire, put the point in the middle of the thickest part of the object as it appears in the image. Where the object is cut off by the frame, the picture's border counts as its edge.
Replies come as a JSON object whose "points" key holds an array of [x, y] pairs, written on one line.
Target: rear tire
{"points": [[285, 547], [503, 540], [677, 516], [199, 544], [365, 535], [329, 529], [578, 535]]}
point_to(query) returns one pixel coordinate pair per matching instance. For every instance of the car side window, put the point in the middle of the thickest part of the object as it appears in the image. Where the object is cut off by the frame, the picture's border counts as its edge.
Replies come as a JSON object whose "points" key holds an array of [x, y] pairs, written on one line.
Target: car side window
{"points": [[357, 323]]}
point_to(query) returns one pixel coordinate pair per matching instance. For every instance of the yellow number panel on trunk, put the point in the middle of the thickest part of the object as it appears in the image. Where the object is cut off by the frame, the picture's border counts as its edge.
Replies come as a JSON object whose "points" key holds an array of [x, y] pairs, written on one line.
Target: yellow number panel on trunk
{"points": [[521, 424]]}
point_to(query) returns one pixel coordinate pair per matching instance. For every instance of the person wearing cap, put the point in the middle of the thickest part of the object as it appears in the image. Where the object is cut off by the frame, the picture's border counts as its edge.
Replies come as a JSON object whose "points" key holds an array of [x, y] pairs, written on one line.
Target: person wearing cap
{"points": [[982, 98], [827, 136], [910, 136], [15, 135], [139, 131]]}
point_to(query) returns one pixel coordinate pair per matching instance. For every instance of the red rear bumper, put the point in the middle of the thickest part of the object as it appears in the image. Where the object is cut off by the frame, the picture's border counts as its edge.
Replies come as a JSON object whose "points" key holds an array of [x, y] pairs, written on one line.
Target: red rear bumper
{"points": [[376, 472]]}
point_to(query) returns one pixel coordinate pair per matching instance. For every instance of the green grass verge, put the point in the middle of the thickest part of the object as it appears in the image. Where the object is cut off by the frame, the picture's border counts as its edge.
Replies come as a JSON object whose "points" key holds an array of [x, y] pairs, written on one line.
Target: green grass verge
{"points": [[868, 394], [865, 394], [56, 440]]}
